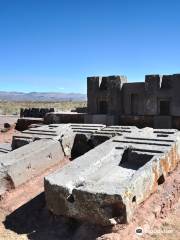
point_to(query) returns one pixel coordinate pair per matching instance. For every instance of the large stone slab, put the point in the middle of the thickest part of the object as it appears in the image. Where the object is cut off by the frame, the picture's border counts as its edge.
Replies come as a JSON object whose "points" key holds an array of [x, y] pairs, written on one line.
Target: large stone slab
{"points": [[106, 184], [35, 112], [83, 138], [27, 157], [5, 148], [52, 131], [22, 164], [39, 148], [23, 123], [80, 133]]}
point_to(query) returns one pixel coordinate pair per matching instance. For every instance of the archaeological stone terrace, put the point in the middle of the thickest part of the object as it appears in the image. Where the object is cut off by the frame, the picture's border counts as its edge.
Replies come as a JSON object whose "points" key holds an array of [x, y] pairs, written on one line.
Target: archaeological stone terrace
{"points": [[106, 184], [112, 170], [37, 149], [41, 147], [118, 150]]}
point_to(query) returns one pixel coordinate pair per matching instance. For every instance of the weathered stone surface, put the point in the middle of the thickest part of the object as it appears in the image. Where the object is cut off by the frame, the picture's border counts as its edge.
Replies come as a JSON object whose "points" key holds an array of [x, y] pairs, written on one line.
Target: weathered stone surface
{"points": [[23, 123], [39, 148], [100, 119], [163, 122], [22, 164], [106, 184], [35, 112], [64, 117], [83, 138], [5, 148], [152, 103], [65, 132], [44, 132]]}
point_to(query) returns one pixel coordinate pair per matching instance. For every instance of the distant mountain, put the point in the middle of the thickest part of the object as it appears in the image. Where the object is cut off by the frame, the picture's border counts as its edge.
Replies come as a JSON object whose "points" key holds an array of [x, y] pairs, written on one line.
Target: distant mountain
{"points": [[41, 96]]}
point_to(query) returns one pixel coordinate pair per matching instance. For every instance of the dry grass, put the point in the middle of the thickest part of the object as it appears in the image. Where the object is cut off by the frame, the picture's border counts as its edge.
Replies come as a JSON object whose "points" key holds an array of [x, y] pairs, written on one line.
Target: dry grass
{"points": [[13, 108]]}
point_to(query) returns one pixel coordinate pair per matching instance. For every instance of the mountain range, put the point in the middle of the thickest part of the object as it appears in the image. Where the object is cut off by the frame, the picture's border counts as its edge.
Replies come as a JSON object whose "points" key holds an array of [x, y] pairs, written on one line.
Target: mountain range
{"points": [[41, 96]]}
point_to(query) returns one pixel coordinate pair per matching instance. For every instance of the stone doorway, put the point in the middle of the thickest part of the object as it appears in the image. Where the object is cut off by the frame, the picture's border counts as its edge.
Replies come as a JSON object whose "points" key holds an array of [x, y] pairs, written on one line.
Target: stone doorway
{"points": [[103, 107], [164, 107]]}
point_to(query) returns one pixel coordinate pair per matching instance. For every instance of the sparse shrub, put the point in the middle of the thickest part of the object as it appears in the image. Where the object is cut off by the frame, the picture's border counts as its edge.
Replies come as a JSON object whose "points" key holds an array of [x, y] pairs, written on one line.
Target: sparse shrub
{"points": [[13, 108]]}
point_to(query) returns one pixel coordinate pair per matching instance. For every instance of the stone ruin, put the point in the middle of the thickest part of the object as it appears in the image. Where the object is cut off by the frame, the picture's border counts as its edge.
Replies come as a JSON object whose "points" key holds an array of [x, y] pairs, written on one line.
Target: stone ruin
{"points": [[106, 184], [30, 116], [113, 101], [153, 103], [35, 112], [113, 168]]}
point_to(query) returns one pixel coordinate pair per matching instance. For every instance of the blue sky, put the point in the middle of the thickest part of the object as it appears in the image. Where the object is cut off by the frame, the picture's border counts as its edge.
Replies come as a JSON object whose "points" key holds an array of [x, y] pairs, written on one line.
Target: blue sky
{"points": [[53, 45]]}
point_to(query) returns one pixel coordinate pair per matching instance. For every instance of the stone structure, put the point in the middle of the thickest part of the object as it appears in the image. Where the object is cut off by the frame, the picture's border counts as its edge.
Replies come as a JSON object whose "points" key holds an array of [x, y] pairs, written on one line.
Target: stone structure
{"points": [[114, 101], [35, 112], [106, 184], [22, 164], [57, 131], [31, 156], [30, 116], [64, 117], [39, 148], [25, 122], [154, 103], [104, 94], [5, 148], [115, 167]]}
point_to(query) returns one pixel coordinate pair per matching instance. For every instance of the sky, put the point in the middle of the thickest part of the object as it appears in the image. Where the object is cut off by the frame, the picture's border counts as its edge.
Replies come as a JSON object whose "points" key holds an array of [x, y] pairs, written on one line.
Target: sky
{"points": [[53, 45]]}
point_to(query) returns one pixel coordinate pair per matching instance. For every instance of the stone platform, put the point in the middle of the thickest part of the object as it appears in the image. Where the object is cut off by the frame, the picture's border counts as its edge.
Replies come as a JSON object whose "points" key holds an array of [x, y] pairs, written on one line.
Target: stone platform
{"points": [[115, 168], [53, 131], [37, 149], [5, 148], [22, 164], [24, 123], [106, 184]]}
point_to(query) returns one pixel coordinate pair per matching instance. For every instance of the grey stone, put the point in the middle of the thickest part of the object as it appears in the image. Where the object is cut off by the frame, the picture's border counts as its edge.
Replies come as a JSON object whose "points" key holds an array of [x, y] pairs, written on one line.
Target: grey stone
{"points": [[153, 103], [106, 184], [20, 165], [64, 117], [5, 148]]}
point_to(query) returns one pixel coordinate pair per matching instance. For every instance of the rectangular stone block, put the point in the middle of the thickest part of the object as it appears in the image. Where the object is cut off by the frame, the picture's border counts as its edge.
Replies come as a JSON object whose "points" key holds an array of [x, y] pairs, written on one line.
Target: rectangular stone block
{"points": [[39, 148], [52, 131], [20, 165], [23, 123], [5, 148], [65, 132], [162, 122], [106, 184]]}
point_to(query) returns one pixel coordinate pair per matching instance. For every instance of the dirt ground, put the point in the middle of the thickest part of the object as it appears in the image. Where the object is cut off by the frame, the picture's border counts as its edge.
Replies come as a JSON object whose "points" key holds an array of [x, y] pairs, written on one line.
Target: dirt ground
{"points": [[11, 119], [23, 214], [33, 221], [7, 137]]}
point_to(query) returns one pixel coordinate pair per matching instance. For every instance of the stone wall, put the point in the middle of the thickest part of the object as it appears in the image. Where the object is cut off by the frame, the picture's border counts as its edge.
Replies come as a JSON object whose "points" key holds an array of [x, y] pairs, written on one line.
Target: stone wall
{"points": [[35, 112], [104, 94], [157, 96]]}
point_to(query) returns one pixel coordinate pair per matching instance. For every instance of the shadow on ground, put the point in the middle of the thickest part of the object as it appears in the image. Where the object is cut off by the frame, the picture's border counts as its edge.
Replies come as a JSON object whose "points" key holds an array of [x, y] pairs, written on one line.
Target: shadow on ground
{"points": [[34, 220]]}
